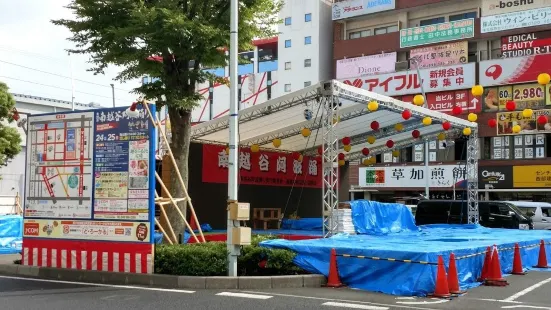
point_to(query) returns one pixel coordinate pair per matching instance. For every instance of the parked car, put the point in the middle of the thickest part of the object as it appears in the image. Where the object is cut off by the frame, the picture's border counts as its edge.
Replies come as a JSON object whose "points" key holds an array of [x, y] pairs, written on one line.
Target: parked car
{"points": [[492, 214], [539, 212]]}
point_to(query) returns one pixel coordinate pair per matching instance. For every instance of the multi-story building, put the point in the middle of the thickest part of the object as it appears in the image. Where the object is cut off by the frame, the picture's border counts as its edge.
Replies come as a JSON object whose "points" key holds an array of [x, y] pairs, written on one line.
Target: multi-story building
{"points": [[454, 45]]}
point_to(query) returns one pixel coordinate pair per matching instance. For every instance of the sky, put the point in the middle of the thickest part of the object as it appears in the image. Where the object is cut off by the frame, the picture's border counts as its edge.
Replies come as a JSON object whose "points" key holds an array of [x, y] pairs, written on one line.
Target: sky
{"points": [[34, 60]]}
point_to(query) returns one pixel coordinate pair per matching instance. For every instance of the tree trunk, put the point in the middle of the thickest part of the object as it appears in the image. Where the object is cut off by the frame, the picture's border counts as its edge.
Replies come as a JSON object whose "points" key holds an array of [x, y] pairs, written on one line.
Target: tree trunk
{"points": [[180, 123]]}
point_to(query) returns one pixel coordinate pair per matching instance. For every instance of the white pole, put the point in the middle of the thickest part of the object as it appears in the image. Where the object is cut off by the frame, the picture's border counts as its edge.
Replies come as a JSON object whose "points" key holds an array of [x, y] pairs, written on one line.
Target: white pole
{"points": [[72, 84], [426, 147], [233, 166], [113, 93]]}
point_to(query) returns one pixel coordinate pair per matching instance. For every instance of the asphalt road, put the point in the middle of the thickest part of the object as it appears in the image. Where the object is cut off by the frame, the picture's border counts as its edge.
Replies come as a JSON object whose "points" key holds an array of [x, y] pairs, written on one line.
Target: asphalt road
{"points": [[524, 292]]}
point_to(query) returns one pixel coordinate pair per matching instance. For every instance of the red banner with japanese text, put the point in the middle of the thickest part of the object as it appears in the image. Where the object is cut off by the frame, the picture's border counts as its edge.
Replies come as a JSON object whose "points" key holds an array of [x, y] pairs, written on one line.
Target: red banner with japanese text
{"points": [[445, 101], [262, 168]]}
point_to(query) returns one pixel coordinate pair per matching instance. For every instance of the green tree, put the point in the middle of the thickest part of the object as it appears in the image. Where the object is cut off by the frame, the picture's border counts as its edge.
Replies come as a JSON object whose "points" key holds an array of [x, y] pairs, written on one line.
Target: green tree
{"points": [[10, 140], [188, 35]]}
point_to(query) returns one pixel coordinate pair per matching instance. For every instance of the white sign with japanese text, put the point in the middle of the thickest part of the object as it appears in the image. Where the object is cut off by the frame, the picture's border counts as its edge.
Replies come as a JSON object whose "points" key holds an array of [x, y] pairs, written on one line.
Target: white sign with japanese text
{"points": [[351, 8], [516, 20], [407, 82], [442, 176], [494, 7]]}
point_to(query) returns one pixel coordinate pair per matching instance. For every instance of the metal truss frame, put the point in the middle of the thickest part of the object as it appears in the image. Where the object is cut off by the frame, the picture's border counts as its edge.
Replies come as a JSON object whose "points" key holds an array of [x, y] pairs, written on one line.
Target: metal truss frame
{"points": [[472, 178]]}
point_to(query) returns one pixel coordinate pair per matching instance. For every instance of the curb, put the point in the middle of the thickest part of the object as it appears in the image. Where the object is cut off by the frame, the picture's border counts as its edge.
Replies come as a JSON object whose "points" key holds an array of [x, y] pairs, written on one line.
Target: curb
{"points": [[165, 281]]}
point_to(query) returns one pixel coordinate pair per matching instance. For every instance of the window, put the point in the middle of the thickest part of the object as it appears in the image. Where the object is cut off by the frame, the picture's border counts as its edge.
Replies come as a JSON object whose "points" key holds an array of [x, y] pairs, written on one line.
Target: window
{"points": [[307, 40], [287, 43], [383, 30], [287, 21], [306, 84], [462, 16], [287, 88], [307, 62], [308, 17], [359, 34], [432, 21], [288, 65]]}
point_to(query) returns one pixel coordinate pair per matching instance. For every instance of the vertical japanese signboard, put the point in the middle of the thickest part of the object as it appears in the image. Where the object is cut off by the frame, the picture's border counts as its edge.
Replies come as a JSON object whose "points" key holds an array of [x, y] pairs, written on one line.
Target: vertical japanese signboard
{"points": [[90, 191]]}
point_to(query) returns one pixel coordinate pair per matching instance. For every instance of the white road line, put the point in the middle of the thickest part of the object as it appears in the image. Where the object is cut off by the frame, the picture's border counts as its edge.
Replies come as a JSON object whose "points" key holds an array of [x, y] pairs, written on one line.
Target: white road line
{"points": [[525, 306], [101, 285], [243, 295], [527, 290], [495, 300], [423, 302], [353, 306]]}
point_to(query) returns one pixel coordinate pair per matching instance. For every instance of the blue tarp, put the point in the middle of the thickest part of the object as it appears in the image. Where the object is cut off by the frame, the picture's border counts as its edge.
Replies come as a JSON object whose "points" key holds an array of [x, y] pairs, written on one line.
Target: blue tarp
{"points": [[11, 234], [314, 223], [376, 218]]}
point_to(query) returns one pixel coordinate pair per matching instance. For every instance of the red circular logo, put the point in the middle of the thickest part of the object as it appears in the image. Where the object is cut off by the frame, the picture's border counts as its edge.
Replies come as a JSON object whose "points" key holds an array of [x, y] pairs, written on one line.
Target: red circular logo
{"points": [[494, 72]]}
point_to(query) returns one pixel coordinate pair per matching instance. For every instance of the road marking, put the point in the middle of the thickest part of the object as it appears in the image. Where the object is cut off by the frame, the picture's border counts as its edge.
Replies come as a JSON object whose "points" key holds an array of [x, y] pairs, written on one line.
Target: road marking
{"points": [[524, 306], [527, 290], [353, 306], [424, 302], [495, 300], [243, 295], [101, 285]]}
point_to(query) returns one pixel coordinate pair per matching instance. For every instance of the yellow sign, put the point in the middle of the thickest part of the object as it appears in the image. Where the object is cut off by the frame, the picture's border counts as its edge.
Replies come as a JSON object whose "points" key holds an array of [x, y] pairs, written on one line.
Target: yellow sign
{"points": [[87, 230], [506, 121], [111, 185], [531, 176], [525, 96]]}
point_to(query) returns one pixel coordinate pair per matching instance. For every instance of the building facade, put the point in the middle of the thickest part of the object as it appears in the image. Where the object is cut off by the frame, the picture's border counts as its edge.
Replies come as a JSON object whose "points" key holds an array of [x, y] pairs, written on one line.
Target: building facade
{"points": [[453, 45]]}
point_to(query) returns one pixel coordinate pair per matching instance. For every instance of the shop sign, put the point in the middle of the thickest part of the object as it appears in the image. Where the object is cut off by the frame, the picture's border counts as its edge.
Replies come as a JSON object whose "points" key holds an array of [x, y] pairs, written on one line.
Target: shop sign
{"points": [[430, 34], [531, 96], [495, 7], [442, 176], [352, 8], [516, 20], [534, 43], [512, 70], [506, 121], [495, 177], [407, 82], [441, 55], [262, 168], [445, 101], [366, 65], [532, 176]]}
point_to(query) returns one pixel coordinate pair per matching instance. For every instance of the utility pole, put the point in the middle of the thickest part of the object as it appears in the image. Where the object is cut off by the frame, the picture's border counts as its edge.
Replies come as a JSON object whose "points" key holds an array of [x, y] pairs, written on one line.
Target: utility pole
{"points": [[72, 83], [113, 93], [415, 62]]}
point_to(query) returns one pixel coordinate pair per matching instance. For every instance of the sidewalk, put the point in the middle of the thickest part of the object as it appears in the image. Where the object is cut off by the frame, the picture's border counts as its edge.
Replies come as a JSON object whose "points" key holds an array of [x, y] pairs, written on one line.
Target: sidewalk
{"points": [[7, 259]]}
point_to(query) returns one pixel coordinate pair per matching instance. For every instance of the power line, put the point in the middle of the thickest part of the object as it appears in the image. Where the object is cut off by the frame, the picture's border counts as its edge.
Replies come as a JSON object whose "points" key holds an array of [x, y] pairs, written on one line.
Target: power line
{"points": [[33, 54]]}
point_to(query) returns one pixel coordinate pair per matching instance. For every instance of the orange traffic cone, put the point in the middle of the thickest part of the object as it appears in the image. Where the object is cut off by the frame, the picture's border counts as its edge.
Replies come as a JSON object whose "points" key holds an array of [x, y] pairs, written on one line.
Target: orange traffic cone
{"points": [[453, 278], [495, 278], [333, 279], [442, 289], [542, 258], [517, 262], [486, 266]]}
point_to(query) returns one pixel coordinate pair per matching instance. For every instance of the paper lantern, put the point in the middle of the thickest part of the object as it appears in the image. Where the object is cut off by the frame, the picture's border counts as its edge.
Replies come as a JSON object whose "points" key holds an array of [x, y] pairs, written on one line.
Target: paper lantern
{"points": [[511, 105], [346, 141], [276, 142], [492, 123], [418, 100], [406, 114], [544, 78], [467, 131], [390, 144], [427, 121], [227, 150], [399, 127], [366, 162], [375, 125], [300, 157], [441, 136], [306, 132], [527, 113], [477, 90], [457, 110], [372, 106], [446, 125], [341, 156], [341, 162], [472, 117], [365, 151], [347, 148], [371, 139], [516, 129], [395, 153], [320, 150], [542, 119], [416, 134], [255, 148], [373, 160]]}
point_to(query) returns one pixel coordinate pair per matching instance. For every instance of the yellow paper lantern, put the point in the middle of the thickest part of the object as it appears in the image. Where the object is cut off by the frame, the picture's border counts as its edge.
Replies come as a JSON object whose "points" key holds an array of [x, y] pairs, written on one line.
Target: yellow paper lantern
{"points": [[395, 153], [527, 113], [347, 148], [371, 139], [441, 136], [427, 121], [255, 148], [341, 162], [467, 131], [373, 160], [516, 129], [276, 142], [227, 150], [373, 106], [472, 117], [399, 127], [418, 100], [300, 158], [544, 78], [477, 90], [306, 132], [366, 162]]}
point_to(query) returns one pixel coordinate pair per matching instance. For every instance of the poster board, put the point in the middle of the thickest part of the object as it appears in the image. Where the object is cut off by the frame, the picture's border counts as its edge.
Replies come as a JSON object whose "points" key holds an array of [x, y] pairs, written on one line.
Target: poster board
{"points": [[89, 191]]}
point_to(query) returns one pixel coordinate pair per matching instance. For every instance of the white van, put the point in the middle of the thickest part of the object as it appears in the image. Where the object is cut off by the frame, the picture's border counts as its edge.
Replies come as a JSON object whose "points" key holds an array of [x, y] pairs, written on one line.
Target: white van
{"points": [[539, 212]]}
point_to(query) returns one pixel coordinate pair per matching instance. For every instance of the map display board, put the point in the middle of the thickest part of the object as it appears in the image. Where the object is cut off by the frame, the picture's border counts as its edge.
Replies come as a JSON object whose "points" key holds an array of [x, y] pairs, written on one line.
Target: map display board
{"points": [[90, 187]]}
